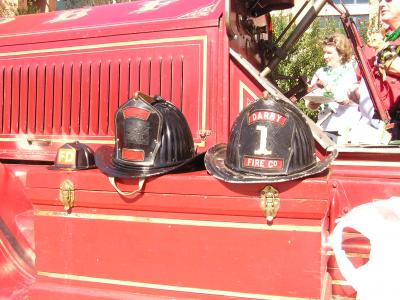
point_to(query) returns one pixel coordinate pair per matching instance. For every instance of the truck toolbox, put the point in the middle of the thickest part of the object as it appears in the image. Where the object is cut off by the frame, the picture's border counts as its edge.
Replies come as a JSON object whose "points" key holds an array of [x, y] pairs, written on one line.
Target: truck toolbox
{"points": [[185, 235]]}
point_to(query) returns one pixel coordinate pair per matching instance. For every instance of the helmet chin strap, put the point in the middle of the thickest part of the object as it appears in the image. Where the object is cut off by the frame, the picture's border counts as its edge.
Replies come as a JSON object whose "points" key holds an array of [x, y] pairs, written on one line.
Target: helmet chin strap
{"points": [[140, 186]]}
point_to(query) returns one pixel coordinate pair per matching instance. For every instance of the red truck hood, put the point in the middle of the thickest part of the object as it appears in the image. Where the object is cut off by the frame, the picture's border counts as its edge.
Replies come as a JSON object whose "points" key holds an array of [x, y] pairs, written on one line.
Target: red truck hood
{"points": [[138, 16]]}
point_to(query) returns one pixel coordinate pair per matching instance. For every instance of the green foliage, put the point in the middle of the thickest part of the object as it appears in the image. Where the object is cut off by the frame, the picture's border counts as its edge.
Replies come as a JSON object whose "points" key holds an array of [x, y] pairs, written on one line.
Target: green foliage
{"points": [[7, 9], [306, 56], [69, 4], [31, 8]]}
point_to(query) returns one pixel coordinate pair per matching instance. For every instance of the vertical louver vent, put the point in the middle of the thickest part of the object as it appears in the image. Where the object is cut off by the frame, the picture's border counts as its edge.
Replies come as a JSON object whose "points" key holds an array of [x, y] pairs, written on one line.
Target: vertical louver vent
{"points": [[77, 95]]}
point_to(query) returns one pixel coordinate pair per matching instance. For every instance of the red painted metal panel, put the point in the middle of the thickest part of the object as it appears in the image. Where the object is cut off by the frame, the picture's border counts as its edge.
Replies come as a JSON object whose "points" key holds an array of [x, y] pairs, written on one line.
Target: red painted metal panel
{"points": [[104, 96], [177, 80], [15, 99], [155, 76], [353, 192], [32, 75], [243, 89], [193, 219], [76, 99], [340, 287], [45, 288], [2, 87], [145, 74], [84, 111], [315, 189], [355, 183], [58, 99], [7, 101], [68, 90], [17, 257], [23, 109], [223, 91], [75, 78], [134, 76], [67, 98], [351, 170], [191, 106], [15, 275], [343, 291], [137, 16], [123, 89], [94, 98], [230, 206], [166, 78], [49, 99], [40, 98], [202, 257], [113, 104]]}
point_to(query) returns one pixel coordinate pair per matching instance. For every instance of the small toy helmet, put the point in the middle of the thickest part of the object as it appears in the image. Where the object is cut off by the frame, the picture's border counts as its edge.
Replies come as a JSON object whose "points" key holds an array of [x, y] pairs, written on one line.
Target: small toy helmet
{"points": [[74, 156], [270, 141], [152, 137]]}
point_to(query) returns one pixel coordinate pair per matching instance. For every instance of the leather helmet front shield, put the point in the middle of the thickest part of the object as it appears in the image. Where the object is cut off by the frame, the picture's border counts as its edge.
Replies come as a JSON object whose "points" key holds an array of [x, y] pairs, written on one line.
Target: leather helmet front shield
{"points": [[138, 130], [270, 141]]}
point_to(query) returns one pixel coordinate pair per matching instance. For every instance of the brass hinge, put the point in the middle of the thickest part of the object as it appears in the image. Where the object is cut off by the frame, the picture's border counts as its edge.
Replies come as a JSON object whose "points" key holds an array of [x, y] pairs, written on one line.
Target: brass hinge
{"points": [[67, 194], [270, 202]]}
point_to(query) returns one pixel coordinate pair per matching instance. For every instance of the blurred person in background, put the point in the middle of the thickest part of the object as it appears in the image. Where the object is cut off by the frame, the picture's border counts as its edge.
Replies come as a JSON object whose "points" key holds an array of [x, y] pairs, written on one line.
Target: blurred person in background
{"points": [[339, 114], [384, 61]]}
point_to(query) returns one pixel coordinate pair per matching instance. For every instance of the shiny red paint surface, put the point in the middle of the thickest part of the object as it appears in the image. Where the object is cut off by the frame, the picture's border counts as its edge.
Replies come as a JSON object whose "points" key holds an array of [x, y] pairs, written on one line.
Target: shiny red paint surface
{"points": [[243, 88], [136, 16], [76, 95], [62, 78], [184, 237], [356, 180], [203, 258], [17, 256], [63, 74], [184, 193]]}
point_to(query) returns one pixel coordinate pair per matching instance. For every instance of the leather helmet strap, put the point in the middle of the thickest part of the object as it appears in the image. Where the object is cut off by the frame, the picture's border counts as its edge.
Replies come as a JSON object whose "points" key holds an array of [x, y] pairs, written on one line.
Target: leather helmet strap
{"points": [[140, 186]]}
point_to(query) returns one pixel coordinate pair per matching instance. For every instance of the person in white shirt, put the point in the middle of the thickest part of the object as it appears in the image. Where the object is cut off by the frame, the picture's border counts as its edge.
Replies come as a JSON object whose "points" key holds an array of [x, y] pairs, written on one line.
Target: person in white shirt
{"points": [[333, 81], [384, 60]]}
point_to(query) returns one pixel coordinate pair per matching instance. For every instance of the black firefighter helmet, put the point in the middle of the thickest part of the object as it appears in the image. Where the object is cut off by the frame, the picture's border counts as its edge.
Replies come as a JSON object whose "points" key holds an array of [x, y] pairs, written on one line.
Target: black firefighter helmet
{"points": [[270, 141], [152, 137], [74, 156]]}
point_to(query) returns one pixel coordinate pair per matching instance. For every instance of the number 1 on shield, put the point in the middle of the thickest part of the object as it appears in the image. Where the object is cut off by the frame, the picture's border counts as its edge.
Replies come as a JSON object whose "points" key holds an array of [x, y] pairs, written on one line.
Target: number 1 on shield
{"points": [[263, 141]]}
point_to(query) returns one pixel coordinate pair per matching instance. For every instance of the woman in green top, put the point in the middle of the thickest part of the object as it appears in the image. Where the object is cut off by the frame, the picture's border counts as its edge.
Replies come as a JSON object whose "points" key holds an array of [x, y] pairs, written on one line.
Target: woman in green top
{"points": [[334, 81]]}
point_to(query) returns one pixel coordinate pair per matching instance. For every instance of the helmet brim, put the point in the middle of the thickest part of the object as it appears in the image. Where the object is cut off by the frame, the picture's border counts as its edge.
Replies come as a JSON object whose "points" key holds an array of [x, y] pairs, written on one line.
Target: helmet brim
{"points": [[215, 164], [104, 156], [77, 168]]}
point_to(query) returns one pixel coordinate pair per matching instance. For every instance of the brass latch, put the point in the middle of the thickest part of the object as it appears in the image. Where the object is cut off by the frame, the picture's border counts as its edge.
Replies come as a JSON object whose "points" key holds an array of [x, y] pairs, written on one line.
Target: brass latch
{"points": [[204, 134], [67, 194], [269, 202]]}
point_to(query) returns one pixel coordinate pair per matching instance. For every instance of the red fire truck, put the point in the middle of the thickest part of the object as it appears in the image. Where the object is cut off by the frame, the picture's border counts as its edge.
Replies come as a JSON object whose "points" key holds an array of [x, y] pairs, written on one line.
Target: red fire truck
{"points": [[67, 234]]}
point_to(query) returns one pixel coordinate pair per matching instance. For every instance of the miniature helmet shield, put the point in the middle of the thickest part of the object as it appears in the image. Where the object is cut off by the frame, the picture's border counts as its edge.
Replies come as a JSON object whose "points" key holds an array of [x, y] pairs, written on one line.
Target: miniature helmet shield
{"points": [[74, 156], [269, 142], [152, 137]]}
